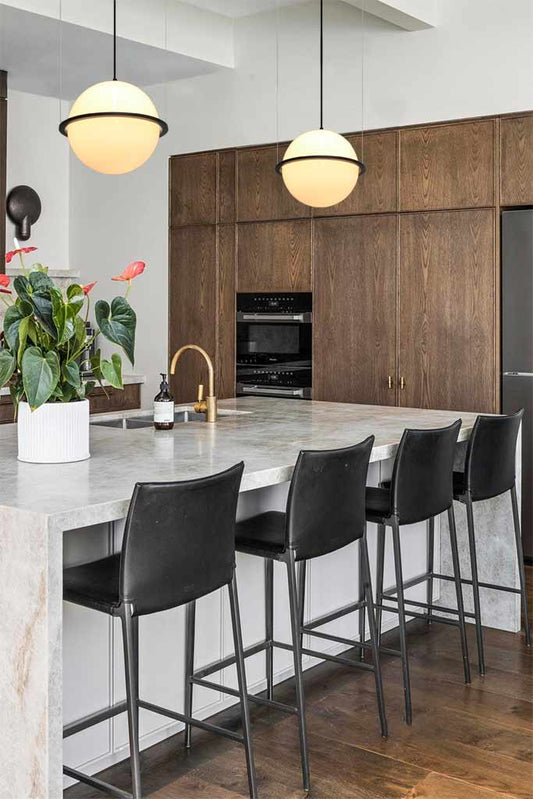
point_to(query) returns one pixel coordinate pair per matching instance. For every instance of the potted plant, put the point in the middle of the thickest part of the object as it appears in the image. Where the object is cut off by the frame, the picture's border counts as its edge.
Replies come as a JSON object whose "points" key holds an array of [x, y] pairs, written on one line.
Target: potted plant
{"points": [[43, 338]]}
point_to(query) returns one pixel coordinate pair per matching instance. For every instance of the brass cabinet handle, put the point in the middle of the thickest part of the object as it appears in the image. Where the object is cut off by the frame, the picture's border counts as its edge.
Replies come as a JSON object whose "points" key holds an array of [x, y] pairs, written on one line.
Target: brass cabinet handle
{"points": [[390, 381], [402, 383]]}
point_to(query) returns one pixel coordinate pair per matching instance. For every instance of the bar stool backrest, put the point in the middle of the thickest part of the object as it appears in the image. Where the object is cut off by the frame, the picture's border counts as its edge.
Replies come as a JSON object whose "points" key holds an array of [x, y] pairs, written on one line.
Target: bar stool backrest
{"points": [[490, 455], [422, 477], [179, 542], [326, 503]]}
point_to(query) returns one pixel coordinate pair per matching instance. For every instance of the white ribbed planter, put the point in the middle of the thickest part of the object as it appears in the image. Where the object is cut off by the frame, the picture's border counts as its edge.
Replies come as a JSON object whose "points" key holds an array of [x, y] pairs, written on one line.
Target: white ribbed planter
{"points": [[57, 432]]}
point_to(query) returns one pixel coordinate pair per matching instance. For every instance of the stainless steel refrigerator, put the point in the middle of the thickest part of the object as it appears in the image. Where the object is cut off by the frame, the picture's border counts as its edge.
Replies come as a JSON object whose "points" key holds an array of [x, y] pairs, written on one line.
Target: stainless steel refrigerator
{"points": [[517, 345]]}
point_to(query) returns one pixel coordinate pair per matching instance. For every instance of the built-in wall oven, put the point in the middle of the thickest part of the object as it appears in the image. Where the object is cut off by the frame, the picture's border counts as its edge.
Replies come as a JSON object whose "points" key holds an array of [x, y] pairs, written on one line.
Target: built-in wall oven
{"points": [[274, 345]]}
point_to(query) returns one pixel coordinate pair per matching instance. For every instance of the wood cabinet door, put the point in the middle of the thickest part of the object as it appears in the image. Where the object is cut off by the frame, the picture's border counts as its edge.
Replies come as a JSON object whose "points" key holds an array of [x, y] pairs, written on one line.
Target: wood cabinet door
{"points": [[447, 166], [354, 309], [193, 189], [516, 153], [274, 256], [261, 193], [377, 189], [448, 331], [192, 304]]}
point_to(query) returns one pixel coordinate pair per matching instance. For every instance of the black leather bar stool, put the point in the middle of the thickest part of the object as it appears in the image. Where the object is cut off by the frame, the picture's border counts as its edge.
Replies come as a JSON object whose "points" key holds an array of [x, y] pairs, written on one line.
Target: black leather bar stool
{"points": [[421, 488], [179, 545], [489, 471], [325, 512]]}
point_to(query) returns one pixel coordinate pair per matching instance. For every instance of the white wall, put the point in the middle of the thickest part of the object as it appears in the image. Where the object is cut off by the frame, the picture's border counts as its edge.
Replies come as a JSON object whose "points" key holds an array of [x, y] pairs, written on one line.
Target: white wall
{"points": [[479, 60], [39, 157]]}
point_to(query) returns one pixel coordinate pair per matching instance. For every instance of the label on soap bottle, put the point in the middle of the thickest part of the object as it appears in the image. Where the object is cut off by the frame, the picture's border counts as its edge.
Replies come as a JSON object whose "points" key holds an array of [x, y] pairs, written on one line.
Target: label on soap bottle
{"points": [[163, 412]]}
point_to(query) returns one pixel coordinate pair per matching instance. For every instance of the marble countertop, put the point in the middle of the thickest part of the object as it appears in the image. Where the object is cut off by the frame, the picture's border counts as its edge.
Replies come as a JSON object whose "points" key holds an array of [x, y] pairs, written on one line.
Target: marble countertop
{"points": [[126, 379], [266, 433]]}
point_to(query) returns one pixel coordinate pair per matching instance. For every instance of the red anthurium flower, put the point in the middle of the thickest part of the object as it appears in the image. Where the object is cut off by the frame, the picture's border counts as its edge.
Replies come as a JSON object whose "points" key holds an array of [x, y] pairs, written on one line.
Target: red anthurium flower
{"points": [[10, 255], [4, 280], [133, 270], [89, 287]]}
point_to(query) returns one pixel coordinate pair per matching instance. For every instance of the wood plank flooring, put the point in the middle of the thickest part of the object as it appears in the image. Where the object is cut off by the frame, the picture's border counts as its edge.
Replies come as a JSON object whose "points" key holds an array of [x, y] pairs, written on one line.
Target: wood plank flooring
{"points": [[466, 742]]}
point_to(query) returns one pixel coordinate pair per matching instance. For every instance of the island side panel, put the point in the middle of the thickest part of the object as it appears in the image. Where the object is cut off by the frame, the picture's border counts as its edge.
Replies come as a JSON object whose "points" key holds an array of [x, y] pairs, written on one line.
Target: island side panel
{"points": [[30, 656]]}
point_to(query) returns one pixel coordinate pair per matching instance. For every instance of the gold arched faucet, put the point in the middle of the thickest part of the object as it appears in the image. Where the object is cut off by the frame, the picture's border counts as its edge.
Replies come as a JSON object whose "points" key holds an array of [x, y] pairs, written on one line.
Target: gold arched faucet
{"points": [[209, 404]]}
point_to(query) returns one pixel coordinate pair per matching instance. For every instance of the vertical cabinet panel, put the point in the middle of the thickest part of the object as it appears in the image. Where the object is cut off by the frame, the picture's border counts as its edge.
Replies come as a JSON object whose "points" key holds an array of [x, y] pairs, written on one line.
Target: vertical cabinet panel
{"points": [[447, 310], [274, 256], [193, 189], [261, 193], [354, 309], [226, 358], [447, 166], [377, 189], [193, 303], [516, 143], [226, 186]]}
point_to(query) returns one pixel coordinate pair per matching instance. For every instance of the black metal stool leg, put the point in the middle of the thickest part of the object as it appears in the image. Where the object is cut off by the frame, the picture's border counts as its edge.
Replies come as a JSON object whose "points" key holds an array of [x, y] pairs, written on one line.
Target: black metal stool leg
{"points": [[363, 556], [430, 564], [521, 569], [379, 577], [459, 592], [361, 613], [190, 624], [243, 690], [401, 619], [302, 575], [269, 626], [297, 655], [475, 582], [129, 636]]}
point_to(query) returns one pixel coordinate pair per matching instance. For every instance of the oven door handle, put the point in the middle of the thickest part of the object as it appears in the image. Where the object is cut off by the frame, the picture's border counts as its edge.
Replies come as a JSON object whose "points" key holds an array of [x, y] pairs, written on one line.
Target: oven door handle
{"points": [[242, 316], [289, 392]]}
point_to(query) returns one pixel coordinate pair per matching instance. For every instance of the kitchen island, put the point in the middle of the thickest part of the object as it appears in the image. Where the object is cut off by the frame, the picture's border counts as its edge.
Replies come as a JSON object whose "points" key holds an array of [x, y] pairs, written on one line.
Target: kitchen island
{"points": [[59, 663]]}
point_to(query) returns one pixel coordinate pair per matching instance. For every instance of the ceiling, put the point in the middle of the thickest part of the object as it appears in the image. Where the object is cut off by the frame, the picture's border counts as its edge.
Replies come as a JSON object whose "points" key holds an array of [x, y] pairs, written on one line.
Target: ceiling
{"points": [[242, 8]]}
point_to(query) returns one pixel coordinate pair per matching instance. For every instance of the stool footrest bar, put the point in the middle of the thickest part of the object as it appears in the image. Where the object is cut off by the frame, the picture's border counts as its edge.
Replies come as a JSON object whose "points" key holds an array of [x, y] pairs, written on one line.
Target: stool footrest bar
{"points": [[407, 584], [325, 656], [219, 665], [260, 700], [204, 725], [441, 619], [493, 586], [94, 718], [431, 606], [335, 614], [100, 785]]}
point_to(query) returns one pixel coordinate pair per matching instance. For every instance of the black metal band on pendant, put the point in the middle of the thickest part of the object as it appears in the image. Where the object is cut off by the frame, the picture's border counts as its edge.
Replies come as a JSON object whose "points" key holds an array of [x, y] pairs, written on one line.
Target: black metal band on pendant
{"points": [[354, 161], [163, 127]]}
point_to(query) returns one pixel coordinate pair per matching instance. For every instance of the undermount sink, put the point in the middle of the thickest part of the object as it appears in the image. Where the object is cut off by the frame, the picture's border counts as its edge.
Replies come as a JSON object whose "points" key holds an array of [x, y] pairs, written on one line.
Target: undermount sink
{"points": [[138, 422]]}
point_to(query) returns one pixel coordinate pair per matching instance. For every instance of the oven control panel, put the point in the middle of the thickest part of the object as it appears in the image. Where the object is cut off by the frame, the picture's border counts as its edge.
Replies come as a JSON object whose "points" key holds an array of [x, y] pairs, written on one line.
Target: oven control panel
{"points": [[295, 302]]}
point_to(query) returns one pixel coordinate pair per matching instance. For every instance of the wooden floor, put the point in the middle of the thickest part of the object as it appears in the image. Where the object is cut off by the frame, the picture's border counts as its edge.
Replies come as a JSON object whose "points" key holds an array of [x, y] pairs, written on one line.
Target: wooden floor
{"points": [[466, 742]]}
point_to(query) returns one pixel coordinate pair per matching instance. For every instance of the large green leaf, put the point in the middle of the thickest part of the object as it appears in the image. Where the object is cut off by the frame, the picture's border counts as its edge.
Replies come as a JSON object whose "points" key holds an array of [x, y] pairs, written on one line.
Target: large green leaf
{"points": [[40, 282], [71, 374], [42, 307], [21, 284], [118, 324], [75, 297], [7, 366], [63, 321], [40, 375], [12, 319], [112, 370]]}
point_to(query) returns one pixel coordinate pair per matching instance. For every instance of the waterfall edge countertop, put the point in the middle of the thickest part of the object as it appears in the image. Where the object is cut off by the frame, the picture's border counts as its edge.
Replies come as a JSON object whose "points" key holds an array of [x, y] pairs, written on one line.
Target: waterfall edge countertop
{"points": [[266, 433]]}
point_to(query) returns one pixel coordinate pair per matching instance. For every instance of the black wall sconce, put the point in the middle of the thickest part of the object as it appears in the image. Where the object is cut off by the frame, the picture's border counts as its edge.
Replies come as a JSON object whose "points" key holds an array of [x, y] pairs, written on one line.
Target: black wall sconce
{"points": [[23, 207]]}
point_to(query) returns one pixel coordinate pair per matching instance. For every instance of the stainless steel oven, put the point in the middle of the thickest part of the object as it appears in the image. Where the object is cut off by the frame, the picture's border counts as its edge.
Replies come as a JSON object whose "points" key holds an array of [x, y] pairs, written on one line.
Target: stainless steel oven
{"points": [[274, 345]]}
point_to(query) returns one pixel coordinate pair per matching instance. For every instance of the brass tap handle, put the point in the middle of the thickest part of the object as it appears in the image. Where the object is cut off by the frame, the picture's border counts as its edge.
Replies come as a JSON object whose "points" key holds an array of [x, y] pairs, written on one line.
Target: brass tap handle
{"points": [[390, 381], [201, 392], [201, 405], [402, 383]]}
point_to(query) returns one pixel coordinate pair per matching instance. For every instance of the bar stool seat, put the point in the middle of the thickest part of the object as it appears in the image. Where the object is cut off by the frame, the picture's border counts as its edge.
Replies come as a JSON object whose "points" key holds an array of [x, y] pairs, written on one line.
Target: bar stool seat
{"points": [[262, 535], [94, 585], [378, 503]]}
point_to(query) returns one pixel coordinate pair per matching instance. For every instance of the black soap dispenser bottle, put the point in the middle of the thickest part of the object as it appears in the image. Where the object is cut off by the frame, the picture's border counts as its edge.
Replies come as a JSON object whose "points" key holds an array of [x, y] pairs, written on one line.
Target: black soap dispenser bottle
{"points": [[164, 406]]}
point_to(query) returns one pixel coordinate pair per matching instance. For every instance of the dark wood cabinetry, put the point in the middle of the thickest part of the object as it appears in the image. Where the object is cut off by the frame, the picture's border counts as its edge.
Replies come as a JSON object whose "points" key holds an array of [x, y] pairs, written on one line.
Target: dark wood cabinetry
{"points": [[516, 148], [354, 309], [447, 166], [193, 185], [377, 189], [261, 194], [448, 356], [274, 256]]}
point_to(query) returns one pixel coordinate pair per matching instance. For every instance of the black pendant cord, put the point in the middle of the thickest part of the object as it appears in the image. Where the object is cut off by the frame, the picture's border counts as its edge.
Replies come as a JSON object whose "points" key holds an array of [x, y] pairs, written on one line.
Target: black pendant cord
{"points": [[321, 64], [114, 39]]}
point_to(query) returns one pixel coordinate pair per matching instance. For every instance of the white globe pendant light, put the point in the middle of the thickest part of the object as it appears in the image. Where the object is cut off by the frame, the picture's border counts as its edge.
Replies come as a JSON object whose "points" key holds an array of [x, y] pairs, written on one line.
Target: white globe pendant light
{"points": [[113, 126], [320, 168]]}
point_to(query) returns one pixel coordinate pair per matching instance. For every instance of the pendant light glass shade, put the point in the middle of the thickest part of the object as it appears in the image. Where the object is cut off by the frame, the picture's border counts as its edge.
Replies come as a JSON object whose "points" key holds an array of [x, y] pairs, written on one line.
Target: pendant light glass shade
{"points": [[113, 127], [320, 168]]}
